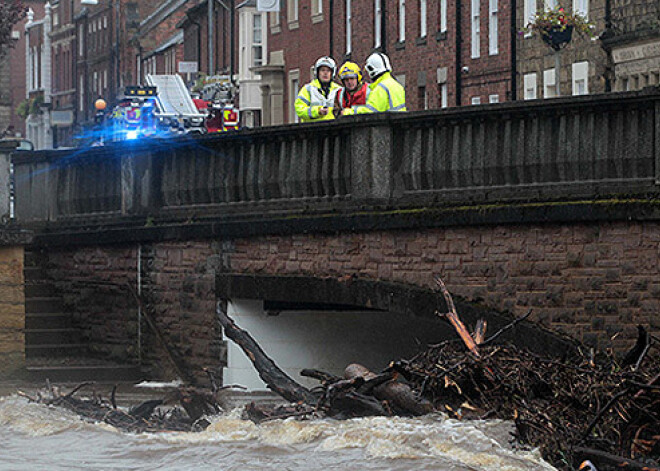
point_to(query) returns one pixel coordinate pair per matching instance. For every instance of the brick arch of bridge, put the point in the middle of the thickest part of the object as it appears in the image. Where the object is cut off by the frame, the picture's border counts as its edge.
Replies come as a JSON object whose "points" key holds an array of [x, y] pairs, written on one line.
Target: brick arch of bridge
{"points": [[590, 279]]}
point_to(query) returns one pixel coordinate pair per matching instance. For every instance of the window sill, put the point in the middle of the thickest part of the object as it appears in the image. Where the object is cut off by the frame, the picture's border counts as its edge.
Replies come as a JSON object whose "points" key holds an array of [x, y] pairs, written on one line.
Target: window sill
{"points": [[275, 29], [294, 24], [400, 45], [441, 36], [317, 18], [420, 41]]}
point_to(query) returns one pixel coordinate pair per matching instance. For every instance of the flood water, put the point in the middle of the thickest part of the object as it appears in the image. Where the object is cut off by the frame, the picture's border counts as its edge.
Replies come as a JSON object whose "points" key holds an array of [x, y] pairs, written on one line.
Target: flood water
{"points": [[35, 437]]}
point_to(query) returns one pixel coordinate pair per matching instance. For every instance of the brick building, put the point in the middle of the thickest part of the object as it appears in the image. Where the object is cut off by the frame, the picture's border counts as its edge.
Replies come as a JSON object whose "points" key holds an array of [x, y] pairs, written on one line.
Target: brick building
{"points": [[583, 63], [12, 74], [445, 54]]}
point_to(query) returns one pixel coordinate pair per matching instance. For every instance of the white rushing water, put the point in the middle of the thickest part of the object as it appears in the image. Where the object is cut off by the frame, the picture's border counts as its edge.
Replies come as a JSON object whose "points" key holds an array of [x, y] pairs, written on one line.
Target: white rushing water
{"points": [[36, 437]]}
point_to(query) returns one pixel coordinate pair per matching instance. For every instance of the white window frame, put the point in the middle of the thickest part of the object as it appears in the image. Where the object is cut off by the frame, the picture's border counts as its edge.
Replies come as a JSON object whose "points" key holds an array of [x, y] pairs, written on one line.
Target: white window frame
{"points": [[257, 45], [494, 98], [81, 91], [81, 40], [317, 7], [349, 29], [402, 20], [443, 15], [529, 83], [378, 23], [549, 83], [105, 79], [493, 37], [292, 11], [444, 101], [580, 73], [422, 18], [549, 4], [581, 7], [294, 77], [476, 29], [475, 100], [529, 14]]}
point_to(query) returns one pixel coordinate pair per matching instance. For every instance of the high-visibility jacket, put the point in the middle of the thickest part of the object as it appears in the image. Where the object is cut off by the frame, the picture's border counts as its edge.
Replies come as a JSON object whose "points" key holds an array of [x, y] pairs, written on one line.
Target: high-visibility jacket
{"points": [[347, 100], [311, 99], [385, 94]]}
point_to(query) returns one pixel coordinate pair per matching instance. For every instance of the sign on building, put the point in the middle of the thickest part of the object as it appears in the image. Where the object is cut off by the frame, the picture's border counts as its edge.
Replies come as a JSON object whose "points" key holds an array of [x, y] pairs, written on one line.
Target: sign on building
{"points": [[188, 67], [268, 5]]}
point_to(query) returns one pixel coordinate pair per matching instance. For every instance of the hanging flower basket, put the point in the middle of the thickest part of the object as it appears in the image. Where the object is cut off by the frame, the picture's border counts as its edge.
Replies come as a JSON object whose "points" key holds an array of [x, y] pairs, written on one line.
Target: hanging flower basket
{"points": [[557, 37], [556, 26]]}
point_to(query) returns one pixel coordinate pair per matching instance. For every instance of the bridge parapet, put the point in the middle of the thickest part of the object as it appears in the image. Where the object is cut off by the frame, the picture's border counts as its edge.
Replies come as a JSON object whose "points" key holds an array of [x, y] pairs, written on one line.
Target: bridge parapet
{"points": [[567, 148]]}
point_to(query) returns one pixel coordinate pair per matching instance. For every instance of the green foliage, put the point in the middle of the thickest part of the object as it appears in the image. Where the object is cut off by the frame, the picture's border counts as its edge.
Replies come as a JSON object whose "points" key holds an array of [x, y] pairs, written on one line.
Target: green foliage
{"points": [[23, 109], [558, 19], [35, 104]]}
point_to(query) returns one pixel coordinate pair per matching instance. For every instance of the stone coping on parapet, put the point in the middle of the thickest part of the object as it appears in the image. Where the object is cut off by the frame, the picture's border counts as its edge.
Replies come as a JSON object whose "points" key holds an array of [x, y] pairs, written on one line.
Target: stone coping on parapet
{"points": [[134, 229], [11, 235]]}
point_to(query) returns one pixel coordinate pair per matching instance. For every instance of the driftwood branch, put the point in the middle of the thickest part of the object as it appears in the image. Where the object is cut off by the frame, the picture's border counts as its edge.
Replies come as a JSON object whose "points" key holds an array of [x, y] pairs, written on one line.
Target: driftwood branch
{"points": [[455, 321], [276, 379]]}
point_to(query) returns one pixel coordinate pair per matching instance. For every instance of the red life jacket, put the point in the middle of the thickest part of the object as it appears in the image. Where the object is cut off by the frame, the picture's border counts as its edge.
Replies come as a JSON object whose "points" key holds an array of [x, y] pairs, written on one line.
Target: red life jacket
{"points": [[346, 100]]}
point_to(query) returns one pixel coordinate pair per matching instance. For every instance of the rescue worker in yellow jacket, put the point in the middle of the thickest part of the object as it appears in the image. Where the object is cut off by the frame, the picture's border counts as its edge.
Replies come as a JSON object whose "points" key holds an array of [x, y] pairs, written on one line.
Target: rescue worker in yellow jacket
{"points": [[316, 99], [385, 93]]}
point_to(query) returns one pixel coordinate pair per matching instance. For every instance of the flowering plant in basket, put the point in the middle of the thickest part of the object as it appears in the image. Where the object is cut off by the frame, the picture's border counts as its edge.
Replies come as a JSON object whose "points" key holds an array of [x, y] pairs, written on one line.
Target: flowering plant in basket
{"points": [[556, 26]]}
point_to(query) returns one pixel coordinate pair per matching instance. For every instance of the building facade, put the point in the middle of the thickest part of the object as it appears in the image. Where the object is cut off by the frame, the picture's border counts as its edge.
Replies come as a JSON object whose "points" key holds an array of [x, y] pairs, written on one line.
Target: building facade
{"points": [[633, 40], [583, 64]]}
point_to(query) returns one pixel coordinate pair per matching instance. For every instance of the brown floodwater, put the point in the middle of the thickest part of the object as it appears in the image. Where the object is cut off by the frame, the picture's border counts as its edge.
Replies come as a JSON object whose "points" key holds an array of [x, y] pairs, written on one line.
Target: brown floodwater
{"points": [[37, 437]]}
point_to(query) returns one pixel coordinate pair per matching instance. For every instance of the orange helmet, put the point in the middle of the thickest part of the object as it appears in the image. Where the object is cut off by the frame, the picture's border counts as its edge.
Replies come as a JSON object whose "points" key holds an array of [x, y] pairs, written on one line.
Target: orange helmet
{"points": [[350, 70]]}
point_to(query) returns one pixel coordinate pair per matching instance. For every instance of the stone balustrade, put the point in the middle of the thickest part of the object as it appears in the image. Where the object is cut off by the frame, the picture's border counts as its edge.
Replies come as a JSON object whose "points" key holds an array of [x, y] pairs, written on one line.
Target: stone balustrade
{"points": [[560, 149]]}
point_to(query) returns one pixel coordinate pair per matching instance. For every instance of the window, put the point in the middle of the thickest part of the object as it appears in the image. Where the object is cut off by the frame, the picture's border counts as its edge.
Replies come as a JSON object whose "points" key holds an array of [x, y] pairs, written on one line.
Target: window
{"points": [[349, 32], [422, 98], [275, 21], [443, 15], [105, 79], [105, 22], [492, 28], [441, 73], [493, 98], [422, 18], [94, 83], [475, 100], [81, 91], [292, 12], [81, 40], [529, 86], [294, 88], [581, 6], [530, 11], [257, 41], [443, 95], [402, 20], [550, 4], [378, 22], [581, 78], [317, 7], [475, 29], [549, 84]]}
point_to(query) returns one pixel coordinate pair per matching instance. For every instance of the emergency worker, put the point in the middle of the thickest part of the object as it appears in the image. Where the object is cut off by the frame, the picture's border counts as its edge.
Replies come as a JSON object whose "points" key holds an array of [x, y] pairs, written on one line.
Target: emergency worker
{"points": [[385, 93], [354, 92], [316, 99]]}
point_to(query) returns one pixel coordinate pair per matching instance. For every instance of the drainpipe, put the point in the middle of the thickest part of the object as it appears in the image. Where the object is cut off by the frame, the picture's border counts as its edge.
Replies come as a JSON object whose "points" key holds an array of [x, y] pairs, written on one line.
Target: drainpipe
{"points": [[458, 53], [232, 39], [514, 65], [331, 16], [209, 14], [608, 30], [383, 26], [139, 293]]}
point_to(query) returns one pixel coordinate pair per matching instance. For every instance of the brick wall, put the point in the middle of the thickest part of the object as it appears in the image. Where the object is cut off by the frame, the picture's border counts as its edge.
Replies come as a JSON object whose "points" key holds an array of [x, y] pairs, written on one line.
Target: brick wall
{"points": [[12, 312], [592, 281], [177, 285]]}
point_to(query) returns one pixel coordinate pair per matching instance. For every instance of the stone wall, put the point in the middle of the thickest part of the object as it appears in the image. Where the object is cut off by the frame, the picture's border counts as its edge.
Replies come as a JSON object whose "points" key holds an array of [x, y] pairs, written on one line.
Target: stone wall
{"points": [[12, 312], [176, 285], [595, 282]]}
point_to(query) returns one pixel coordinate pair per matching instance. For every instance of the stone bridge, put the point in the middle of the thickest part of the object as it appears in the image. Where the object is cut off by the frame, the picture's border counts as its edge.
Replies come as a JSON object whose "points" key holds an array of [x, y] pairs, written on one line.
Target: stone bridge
{"points": [[551, 206]]}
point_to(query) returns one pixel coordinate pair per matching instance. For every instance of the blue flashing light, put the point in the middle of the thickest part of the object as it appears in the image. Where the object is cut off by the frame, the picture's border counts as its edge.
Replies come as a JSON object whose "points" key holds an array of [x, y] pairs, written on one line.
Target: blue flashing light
{"points": [[131, 135]]}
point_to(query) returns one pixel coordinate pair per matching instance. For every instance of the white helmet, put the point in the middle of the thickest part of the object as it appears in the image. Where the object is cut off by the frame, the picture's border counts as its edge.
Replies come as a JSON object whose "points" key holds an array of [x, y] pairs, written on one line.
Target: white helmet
{"points": [[325, 61], [377, 64]]}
